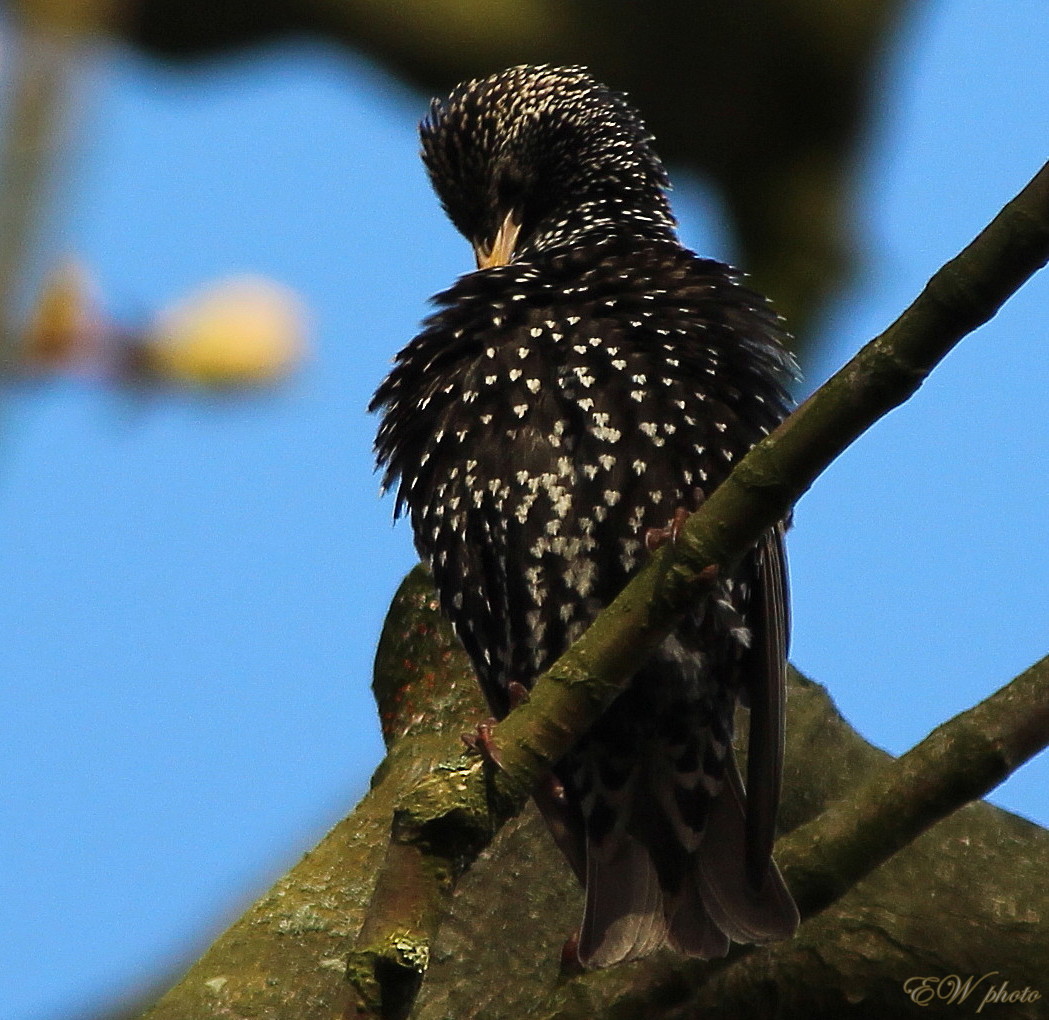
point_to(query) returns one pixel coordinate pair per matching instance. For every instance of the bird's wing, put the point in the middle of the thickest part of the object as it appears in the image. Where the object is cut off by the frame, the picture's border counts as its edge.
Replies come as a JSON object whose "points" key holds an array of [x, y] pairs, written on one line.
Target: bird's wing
{"points": [[764, 672]]}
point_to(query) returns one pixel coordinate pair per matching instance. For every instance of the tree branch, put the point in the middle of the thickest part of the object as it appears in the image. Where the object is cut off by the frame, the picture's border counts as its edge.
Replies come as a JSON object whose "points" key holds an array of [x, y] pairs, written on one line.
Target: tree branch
{"points": [[825, 858], [968, 896], [960, 761], [287, 948], [452, 814]]}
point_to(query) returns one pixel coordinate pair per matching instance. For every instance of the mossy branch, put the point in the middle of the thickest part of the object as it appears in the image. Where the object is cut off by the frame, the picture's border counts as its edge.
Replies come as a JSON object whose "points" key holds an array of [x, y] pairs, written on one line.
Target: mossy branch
{"points": [[827, 856], [286, 954], [452, 814], [960, 761]]}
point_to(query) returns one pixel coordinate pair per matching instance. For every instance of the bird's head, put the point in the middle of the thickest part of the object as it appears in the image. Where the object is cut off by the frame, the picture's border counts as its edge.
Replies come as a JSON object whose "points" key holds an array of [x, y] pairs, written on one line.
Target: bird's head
{"points": [[538, 157]]}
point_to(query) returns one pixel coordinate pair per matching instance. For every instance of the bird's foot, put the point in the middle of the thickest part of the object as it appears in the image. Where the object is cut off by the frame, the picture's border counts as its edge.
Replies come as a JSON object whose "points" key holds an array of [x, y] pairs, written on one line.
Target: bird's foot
{"points": [[656, 538], [482, 742]]}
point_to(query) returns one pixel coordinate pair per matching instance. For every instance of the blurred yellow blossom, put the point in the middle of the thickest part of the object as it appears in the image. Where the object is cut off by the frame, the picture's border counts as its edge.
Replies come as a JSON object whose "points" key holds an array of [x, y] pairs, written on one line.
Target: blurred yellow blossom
{"points": [[242, 332]]}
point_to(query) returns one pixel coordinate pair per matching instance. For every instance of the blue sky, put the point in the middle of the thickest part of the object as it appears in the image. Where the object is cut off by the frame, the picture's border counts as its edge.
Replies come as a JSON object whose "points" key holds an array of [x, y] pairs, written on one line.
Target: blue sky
{"points": [[193, 588]]}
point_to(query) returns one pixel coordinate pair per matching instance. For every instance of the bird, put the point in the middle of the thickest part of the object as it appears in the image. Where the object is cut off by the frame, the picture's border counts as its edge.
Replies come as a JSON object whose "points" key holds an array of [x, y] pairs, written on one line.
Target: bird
{"points": [[564, 406]]}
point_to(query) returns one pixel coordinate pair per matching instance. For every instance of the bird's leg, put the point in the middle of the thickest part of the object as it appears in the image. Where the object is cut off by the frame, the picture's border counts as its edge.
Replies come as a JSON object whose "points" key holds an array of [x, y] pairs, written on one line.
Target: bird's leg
{"points": [[481, 740], [655, 538]]}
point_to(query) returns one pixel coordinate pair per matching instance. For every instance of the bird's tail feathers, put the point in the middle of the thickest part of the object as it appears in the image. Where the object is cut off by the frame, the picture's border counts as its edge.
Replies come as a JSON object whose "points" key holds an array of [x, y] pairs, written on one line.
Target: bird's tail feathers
{"points": [[644, 890], [744, 913], [623, 918]]}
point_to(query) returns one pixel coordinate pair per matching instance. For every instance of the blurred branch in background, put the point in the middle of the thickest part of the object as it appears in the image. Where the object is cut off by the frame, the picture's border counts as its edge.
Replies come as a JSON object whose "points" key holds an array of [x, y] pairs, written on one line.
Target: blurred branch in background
{"points": [[41, 62], [245, 332], [771, 101]]}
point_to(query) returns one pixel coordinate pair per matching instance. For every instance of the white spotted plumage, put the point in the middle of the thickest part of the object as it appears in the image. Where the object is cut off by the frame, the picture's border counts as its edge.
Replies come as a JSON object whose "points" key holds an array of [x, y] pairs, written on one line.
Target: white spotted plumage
{"points": [[583, 389]]}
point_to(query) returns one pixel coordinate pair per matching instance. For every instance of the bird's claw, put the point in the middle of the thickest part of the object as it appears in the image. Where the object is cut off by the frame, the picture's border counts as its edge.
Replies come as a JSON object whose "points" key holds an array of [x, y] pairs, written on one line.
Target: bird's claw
{"points": [[482, 742], [656, 538]]}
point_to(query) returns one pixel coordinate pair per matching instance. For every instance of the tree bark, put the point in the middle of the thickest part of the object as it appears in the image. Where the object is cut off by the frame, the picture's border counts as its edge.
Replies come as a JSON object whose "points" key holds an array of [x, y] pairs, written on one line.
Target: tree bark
{"points": [[967, 897]]}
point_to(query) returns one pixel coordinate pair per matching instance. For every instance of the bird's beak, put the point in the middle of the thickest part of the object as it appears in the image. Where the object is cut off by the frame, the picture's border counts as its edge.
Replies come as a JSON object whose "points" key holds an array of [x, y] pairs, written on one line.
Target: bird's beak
{"points": [[503, 244]]}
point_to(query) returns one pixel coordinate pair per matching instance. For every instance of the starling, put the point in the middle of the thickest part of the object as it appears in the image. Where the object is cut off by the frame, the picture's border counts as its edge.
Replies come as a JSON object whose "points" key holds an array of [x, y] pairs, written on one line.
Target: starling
{"points": [[588, 384]]}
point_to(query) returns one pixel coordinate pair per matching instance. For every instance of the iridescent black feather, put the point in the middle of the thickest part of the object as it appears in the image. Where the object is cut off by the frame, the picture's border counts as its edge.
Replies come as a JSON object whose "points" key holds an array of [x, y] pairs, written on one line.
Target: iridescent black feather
{"points": [[554, 409]]}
